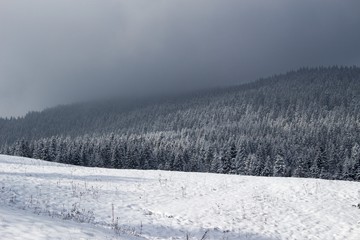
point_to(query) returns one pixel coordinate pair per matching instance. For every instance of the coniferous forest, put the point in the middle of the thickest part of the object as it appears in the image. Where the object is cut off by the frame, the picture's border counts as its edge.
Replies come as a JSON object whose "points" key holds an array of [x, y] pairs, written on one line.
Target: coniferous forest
{"points": [[304, 123]]}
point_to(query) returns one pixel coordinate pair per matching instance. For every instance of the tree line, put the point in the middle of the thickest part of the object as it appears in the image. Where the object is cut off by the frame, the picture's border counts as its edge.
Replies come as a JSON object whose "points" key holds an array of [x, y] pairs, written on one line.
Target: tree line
{"points": [[305, 123]]}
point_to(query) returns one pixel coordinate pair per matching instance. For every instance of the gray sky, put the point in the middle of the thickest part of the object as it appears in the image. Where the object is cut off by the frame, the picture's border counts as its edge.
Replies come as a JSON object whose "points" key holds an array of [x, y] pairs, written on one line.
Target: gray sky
{"points": [[59, 51]]}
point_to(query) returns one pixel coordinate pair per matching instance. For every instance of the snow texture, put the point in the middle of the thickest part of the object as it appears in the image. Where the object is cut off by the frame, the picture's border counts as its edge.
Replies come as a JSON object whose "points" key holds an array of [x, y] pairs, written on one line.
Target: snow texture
{"points": [[44, 200]]}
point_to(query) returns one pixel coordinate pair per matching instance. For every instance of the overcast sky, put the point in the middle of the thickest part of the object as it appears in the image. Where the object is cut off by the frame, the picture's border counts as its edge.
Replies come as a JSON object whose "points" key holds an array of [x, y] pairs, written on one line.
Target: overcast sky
{"points": [[59, 51]]}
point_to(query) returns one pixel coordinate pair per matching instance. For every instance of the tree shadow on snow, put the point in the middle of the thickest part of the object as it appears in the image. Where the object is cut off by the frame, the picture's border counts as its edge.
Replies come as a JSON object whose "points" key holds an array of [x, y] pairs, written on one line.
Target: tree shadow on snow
{"points": [[167, 232], [90, 178]]}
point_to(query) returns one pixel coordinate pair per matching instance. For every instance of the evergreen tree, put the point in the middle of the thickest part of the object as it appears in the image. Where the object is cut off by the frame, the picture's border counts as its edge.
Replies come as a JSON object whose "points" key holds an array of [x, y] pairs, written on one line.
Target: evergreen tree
{"points": [[279, 166], [267, 170]]}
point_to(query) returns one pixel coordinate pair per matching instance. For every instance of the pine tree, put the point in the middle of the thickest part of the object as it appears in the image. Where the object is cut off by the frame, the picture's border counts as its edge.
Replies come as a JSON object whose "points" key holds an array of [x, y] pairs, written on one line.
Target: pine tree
{"points": [[209, 158], [22, 148], [226, 162], [279, 166], [52, 149], [300, 170], [348, 169], [314, 169], [251, 164], [355, 156], [267, 170], [241, 161]]}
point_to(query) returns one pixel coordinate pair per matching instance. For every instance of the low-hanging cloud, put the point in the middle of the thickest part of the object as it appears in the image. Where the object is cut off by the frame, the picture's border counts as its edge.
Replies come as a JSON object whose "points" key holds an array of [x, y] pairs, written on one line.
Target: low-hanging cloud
{"points": [[55, 51]]}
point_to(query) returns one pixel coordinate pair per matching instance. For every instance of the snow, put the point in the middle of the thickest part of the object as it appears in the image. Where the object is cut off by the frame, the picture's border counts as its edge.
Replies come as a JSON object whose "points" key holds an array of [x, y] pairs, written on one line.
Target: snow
{"points": [[15, 224], [44, 200]]}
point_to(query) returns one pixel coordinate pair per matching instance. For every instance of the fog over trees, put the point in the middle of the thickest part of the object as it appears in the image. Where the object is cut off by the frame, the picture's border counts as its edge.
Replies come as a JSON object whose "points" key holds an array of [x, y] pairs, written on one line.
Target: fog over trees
{"points": [[305, 123]]}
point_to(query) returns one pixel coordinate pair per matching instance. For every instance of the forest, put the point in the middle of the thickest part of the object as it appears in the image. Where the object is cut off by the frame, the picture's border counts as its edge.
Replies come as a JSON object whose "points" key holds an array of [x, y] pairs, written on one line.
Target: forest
{"points": [[304, 123]]}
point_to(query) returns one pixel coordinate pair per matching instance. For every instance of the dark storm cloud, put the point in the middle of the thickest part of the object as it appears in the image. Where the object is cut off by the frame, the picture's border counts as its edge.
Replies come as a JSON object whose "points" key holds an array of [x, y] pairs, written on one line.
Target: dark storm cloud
{"points": [[54, 51]]}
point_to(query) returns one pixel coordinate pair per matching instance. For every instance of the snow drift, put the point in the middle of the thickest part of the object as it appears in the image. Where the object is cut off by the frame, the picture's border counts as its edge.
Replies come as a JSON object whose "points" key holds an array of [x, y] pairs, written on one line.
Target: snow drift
{"points": [[45, 200]]}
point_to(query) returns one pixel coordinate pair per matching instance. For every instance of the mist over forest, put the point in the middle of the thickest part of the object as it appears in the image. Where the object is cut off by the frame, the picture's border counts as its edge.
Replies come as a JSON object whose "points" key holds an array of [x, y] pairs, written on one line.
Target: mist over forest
{"points": [[304, 123], [180, 119]]}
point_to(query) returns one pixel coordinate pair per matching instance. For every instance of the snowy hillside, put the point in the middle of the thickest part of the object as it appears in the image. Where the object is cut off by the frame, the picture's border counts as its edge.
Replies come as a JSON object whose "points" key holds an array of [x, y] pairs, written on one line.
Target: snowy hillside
{"points": [[44, 200], [305, 123]]}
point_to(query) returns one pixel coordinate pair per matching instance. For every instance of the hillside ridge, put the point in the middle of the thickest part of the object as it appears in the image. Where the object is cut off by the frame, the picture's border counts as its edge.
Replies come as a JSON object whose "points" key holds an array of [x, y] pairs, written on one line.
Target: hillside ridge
{"points": [[303, 123]]}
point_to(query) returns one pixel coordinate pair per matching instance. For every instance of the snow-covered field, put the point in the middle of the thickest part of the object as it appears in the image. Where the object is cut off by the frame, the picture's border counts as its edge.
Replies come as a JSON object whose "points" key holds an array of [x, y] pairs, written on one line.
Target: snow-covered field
{"points": [[43, 200]]}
